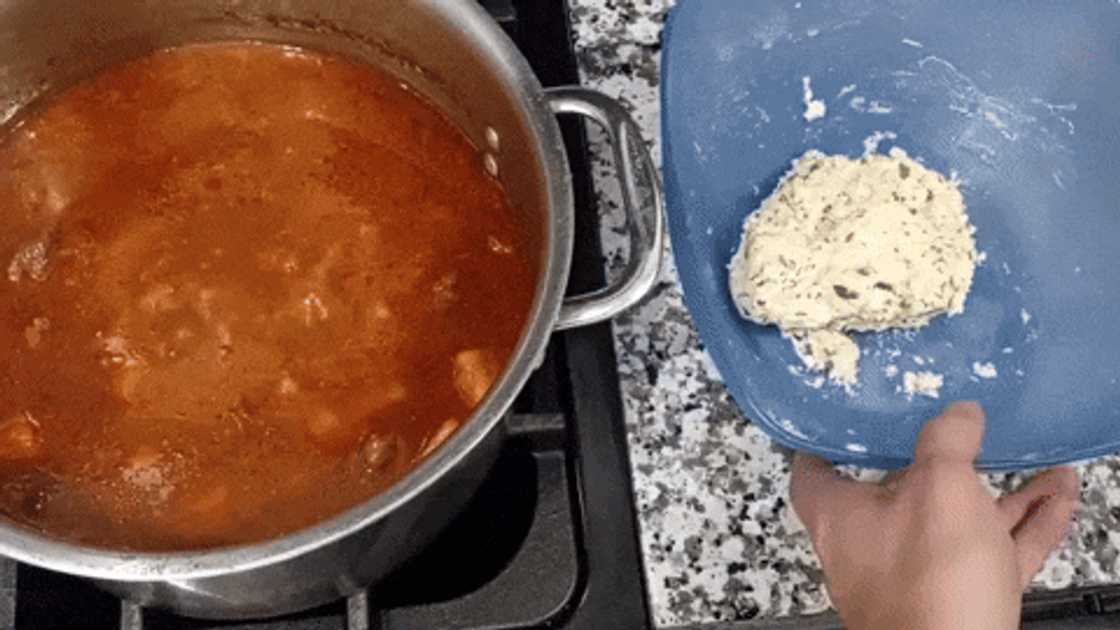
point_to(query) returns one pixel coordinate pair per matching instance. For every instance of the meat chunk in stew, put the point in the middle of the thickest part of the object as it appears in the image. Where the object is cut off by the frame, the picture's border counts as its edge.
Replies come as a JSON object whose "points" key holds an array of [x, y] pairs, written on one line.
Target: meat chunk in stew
{"points": [[475, 372]]}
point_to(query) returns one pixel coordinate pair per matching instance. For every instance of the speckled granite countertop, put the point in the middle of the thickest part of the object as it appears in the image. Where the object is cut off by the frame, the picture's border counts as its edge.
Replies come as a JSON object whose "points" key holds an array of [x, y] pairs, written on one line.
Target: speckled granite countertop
{"points": [[719, 540]]}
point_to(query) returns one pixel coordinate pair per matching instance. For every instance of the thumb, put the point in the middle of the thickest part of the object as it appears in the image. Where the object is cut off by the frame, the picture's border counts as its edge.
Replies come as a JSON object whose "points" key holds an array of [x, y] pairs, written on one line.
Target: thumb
{"points": [[954, 436]]}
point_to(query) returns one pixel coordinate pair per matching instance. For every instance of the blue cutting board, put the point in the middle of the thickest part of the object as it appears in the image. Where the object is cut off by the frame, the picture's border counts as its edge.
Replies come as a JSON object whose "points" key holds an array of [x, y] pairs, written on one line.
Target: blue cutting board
{"points": [[1021, 100]]}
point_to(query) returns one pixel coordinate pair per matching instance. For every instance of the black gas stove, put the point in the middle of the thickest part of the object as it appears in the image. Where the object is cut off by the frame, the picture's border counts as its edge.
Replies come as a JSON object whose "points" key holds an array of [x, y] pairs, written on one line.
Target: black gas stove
{"points": [[551, 538]]}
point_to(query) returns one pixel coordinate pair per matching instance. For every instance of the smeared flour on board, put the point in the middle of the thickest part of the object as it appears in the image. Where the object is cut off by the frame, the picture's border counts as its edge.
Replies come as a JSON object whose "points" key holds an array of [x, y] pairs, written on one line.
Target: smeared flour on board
{"points": [[863, 105], [855, 245], [814, 107]]}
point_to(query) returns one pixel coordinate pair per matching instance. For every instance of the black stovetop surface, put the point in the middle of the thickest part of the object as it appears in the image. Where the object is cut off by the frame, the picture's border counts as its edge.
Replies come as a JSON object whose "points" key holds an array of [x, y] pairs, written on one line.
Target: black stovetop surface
{"points": [[551, 538]]}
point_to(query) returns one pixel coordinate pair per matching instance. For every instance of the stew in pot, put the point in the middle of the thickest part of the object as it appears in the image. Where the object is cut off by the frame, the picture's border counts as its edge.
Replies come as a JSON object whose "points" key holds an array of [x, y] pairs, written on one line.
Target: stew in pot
{"points": [[243, 287]]}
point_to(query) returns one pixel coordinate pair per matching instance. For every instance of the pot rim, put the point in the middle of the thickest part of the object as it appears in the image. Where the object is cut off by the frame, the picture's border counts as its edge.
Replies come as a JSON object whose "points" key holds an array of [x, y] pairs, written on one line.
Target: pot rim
{"points": [[27, 546]]}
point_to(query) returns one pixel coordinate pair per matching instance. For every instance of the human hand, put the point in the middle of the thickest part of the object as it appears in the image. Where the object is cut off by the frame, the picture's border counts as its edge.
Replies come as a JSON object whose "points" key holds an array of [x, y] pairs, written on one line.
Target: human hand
{"points": [[930, 547]]}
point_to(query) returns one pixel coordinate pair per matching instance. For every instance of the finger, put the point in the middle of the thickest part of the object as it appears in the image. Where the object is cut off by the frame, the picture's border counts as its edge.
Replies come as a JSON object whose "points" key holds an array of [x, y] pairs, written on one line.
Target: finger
{"points": [[1018, 506], [893, 480], [816, 490], [953, 436], [1042, 531]]}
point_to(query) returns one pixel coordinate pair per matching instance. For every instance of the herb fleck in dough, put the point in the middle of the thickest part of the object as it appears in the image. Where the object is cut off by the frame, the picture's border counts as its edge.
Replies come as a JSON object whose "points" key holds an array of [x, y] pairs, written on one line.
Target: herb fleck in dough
{"points": [[849, 245]]}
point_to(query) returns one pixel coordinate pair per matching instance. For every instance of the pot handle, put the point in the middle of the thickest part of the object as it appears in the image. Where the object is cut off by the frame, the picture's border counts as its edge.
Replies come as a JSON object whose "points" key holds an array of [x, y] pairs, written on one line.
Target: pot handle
{"points": [[645, 224]]}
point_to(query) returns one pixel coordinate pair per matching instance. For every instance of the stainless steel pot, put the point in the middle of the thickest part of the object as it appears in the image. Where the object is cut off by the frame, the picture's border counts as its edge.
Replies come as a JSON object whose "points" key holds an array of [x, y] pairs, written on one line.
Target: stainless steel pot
{"points": [[456, 55]]}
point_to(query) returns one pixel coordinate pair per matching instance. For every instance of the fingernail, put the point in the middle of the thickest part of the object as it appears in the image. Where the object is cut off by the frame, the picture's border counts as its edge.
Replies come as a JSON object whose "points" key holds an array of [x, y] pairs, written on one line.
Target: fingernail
{"points": [[966, 408]]}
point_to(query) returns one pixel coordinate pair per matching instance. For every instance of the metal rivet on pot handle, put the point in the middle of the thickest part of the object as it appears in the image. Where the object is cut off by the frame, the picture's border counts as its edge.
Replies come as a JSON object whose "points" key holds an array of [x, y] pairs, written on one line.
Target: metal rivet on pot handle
{"points": [[645, 223]]}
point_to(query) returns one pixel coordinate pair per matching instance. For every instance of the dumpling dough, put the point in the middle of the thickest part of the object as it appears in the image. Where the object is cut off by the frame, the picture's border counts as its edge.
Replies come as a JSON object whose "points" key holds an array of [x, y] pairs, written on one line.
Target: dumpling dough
{"points": [[853, 245]]}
